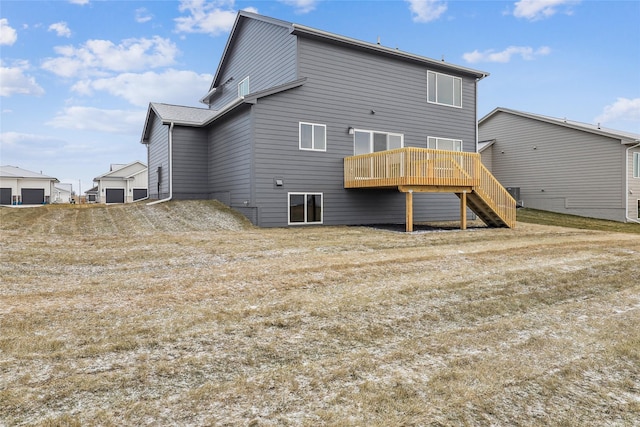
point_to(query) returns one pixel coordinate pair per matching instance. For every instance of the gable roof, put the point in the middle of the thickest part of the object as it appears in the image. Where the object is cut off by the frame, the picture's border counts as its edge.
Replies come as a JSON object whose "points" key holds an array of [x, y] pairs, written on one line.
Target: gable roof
{"points": [[8, 171], [625, 138], [304, 31], [199, 117], [114, 172]]}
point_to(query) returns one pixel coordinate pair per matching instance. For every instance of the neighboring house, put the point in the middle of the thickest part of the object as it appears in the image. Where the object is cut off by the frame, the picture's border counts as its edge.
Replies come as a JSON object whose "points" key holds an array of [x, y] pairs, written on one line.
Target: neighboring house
{"points": [[22, 187], [563, 166], [91, 195], [122, 184], [291, 108], [62, 193]]}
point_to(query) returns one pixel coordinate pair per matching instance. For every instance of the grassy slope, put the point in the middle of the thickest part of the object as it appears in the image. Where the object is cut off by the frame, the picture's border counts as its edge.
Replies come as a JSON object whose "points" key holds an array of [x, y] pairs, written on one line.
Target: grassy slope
{"points": [[209, 321], [535, 216]]}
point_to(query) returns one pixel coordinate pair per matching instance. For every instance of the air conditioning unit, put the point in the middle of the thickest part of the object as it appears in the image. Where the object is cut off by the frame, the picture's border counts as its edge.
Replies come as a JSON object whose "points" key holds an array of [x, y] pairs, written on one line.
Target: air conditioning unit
{"points": [[515, 193]]}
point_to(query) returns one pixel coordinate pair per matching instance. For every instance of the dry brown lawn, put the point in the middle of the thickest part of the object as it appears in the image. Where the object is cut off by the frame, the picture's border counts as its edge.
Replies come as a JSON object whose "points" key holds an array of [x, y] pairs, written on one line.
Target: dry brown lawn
{"points": [[182, 314]]}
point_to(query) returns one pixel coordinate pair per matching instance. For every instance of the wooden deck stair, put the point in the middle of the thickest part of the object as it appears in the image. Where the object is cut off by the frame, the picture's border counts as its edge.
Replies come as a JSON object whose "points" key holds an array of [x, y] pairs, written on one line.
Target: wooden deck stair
{"points": [[413, 169]]}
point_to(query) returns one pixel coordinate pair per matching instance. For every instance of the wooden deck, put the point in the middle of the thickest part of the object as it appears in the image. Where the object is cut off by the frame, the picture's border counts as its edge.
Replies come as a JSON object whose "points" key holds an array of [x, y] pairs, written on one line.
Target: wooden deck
{"points": [[413, 169]]}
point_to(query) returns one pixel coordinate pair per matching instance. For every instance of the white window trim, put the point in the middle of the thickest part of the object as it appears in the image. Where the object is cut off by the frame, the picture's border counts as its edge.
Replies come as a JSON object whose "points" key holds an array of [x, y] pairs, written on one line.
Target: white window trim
{"points": [[371, 132], [240, 84], [447, 139], [635, 165], [436, 89], [297, 193], [313, 136]]}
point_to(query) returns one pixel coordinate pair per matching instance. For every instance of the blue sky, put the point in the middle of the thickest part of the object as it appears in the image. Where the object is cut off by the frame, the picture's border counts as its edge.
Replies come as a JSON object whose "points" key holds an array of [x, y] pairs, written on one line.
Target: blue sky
{"points": [[76, 76]]}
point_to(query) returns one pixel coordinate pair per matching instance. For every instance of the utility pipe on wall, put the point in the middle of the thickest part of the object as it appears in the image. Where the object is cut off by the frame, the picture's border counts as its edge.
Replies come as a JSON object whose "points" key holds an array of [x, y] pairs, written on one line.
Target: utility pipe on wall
{"points": [[170, 172]]}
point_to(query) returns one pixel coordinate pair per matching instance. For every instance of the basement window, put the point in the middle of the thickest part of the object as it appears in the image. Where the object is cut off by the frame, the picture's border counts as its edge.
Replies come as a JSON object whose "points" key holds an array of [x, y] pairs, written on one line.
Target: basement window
{"points": [[305, 208]]}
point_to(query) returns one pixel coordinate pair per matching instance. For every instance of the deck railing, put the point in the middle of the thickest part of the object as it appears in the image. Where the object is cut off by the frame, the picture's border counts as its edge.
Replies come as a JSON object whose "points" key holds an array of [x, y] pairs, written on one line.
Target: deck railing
{"points": [[496, 196], [412, 166]]}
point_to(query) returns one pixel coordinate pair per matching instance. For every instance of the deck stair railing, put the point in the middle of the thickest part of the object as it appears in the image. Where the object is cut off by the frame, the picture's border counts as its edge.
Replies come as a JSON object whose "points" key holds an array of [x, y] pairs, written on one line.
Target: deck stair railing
{"points": [[434, 170]]}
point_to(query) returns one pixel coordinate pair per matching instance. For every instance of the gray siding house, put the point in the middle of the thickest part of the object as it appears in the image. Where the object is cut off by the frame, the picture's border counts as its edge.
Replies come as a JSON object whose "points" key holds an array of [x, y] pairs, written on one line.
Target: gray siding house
{"points": [[564, 166], [288, 104]]}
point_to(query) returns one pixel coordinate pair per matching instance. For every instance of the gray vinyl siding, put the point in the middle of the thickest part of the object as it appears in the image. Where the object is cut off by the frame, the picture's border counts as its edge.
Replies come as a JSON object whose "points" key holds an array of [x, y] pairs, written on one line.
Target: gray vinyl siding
{"points": [[557, 168], [262, 51], [158, 156], [634, 187], [342, 88], [230, 160], [190, 165]]}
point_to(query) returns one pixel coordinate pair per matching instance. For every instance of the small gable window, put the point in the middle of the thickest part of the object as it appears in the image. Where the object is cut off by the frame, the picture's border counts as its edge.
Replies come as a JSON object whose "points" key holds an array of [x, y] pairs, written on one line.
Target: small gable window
{"points": [[313, 137], [243, 87], [444, 89]]}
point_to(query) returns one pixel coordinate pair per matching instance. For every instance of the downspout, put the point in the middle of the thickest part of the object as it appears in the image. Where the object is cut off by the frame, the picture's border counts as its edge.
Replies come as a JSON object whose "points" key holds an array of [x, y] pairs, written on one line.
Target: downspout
{"points": [[170, 173], [626, 180]]}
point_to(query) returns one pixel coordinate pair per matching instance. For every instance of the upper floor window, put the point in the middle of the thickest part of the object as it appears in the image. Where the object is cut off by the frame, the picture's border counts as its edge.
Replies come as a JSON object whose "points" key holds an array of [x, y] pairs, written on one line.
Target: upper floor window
{"points": [[243, 87], [444, 143], [444, 89], [366, 141], [636, 165], [313, 137]]}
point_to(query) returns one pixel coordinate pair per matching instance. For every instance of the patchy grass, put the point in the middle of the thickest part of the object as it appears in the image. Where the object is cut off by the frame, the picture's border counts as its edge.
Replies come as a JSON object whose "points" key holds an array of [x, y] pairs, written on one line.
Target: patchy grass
{"points": [[187, 315], [534, 216]]}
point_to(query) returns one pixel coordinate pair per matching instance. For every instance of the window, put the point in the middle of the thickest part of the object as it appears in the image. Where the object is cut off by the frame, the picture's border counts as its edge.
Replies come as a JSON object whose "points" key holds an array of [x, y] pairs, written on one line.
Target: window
{"points": [[365, 141], [444, 89], [638, 208], [444, 144], [305, 208], [243, 87], [313, 137], [636, 165]]}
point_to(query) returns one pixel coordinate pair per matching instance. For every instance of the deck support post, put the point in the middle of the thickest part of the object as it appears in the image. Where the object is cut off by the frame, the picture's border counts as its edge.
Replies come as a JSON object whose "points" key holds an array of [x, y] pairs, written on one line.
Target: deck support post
{"points": [[463, 210], [409, 211]]}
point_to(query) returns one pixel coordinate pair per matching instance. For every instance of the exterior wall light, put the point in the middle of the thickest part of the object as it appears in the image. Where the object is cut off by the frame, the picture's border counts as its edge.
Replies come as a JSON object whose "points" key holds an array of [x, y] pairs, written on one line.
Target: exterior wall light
{"points": [[350, 130]]}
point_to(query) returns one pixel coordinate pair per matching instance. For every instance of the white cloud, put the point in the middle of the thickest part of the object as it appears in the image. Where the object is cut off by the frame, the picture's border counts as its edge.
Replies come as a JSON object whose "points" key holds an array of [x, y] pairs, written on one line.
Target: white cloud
{"points": [[426, 10], [29, 144], [13, 80], [61, 29], [100, 120], [622, 109], [534, 10], [171, 86], [80, 2], [213, 18], [301, 6], [525, 52], [96, 57], [143, 15], [8, 35]]}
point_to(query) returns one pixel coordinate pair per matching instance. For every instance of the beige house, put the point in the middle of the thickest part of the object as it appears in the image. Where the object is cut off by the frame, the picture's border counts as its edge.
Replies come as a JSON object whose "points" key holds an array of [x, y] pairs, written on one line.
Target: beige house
{"points": [[23, 187], [122, 184], [563, 166]]}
